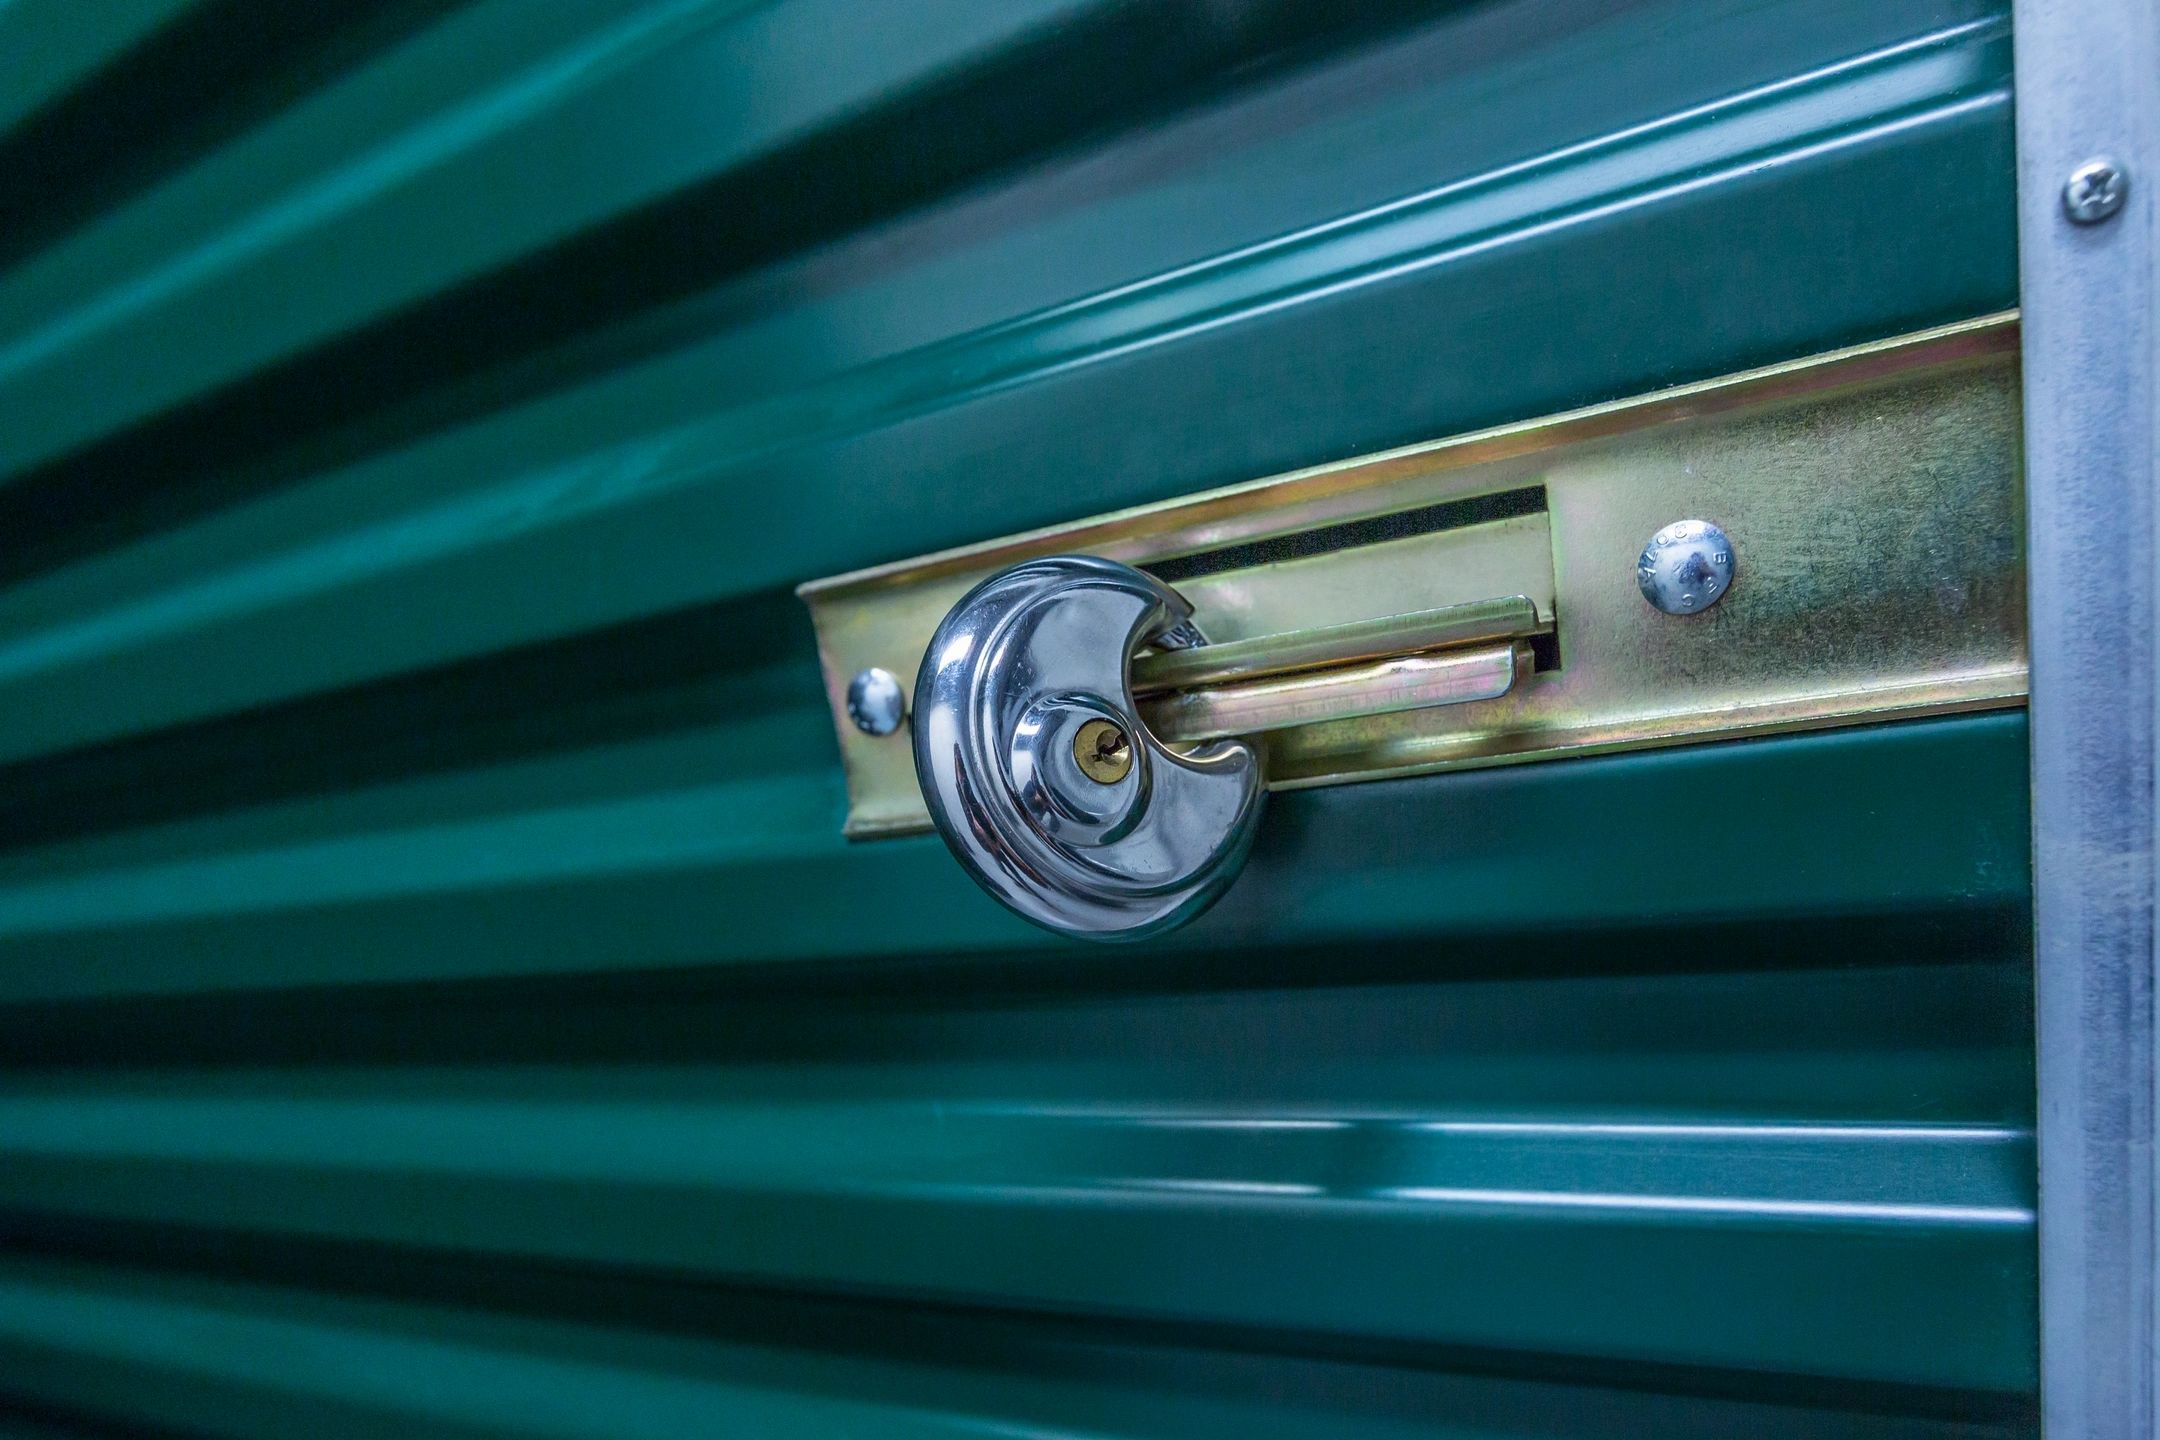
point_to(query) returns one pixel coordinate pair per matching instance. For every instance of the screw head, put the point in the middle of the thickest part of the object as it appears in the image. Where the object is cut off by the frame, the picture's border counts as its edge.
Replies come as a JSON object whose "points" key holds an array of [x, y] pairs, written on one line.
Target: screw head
{"points": [[2095, 191], [1686, 568], [875, 701], [1103, 751]]}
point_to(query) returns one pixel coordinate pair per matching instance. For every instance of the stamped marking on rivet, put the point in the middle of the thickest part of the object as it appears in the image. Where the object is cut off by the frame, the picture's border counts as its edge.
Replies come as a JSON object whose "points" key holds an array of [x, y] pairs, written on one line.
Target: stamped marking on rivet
{"points": [[1686, 568]]}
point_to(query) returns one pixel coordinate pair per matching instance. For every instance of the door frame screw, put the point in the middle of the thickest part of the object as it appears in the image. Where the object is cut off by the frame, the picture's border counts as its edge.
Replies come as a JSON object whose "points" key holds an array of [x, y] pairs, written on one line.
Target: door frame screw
{"points": [[2095, 191]]}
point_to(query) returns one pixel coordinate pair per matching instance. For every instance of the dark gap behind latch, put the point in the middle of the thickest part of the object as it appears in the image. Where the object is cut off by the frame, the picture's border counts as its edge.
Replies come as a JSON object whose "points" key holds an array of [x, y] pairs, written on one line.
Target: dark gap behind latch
{"points": [[1401, 525]]}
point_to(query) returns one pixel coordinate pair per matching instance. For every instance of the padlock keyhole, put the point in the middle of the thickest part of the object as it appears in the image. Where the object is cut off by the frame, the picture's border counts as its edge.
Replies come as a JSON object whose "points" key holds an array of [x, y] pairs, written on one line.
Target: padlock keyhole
{"points": [[1103, 751]]}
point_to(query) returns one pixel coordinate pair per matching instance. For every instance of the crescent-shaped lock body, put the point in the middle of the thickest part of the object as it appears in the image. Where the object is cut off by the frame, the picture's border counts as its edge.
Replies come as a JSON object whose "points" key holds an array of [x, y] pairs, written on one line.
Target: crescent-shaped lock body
{"points": [[1039, 772]]}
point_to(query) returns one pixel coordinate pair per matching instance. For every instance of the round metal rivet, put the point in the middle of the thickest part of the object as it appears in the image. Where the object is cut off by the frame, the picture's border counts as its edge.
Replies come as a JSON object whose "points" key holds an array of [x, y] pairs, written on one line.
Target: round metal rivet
{"points": [[2095, 191], [875, 701], [1686, 568], [1104, 751]]}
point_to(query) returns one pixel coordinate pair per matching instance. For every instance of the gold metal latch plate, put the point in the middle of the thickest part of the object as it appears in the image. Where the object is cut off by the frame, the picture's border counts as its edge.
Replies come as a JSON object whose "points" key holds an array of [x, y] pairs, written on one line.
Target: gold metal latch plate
{"points": [[1474, 601]]}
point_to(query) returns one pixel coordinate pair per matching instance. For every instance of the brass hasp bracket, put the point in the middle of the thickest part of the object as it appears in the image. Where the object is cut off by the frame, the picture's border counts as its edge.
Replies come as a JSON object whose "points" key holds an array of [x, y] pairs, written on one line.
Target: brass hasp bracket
{"points": [[1850, 548]]}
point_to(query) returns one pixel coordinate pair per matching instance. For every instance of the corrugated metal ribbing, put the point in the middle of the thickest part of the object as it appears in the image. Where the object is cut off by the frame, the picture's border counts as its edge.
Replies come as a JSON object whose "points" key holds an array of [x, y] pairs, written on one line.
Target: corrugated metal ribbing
{"points": [[434, 995]]}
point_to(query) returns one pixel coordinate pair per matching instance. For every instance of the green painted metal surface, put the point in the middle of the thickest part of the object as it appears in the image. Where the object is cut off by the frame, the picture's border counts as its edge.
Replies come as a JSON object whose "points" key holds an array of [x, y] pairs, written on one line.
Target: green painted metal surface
{"points": [[434, 996]]}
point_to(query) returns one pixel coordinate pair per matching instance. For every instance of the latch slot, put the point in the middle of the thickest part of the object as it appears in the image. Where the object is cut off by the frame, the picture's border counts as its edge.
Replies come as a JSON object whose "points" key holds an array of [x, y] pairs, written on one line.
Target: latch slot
{"points": [[1358, 619], [1515, 617], [1385, 582]]}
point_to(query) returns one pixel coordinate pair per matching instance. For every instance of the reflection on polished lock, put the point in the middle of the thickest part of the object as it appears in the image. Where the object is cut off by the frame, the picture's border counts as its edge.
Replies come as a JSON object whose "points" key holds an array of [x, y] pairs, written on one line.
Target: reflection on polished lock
{"points": [[1039, 771]]}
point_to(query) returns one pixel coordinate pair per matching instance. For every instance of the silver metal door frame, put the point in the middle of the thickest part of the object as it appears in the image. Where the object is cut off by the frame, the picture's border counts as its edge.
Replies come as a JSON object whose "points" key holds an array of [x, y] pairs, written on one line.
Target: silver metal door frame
{"points": [[2088, 88]]}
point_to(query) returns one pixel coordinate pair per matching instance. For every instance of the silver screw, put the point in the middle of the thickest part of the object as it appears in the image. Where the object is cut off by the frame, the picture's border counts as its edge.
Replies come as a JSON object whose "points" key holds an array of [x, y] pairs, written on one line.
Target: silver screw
{"points": [[2095, 190], [1686, 568], [875, 701]]}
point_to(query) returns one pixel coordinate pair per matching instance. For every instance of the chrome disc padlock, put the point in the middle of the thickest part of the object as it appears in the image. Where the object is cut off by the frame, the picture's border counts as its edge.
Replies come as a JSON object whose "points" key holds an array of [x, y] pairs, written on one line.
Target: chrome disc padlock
{"points": [[1037, 768]]}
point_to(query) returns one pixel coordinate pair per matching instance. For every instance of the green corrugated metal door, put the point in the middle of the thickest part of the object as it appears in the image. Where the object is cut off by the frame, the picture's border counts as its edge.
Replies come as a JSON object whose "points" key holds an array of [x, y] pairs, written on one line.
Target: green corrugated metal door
{"points": [[437, 997]]}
